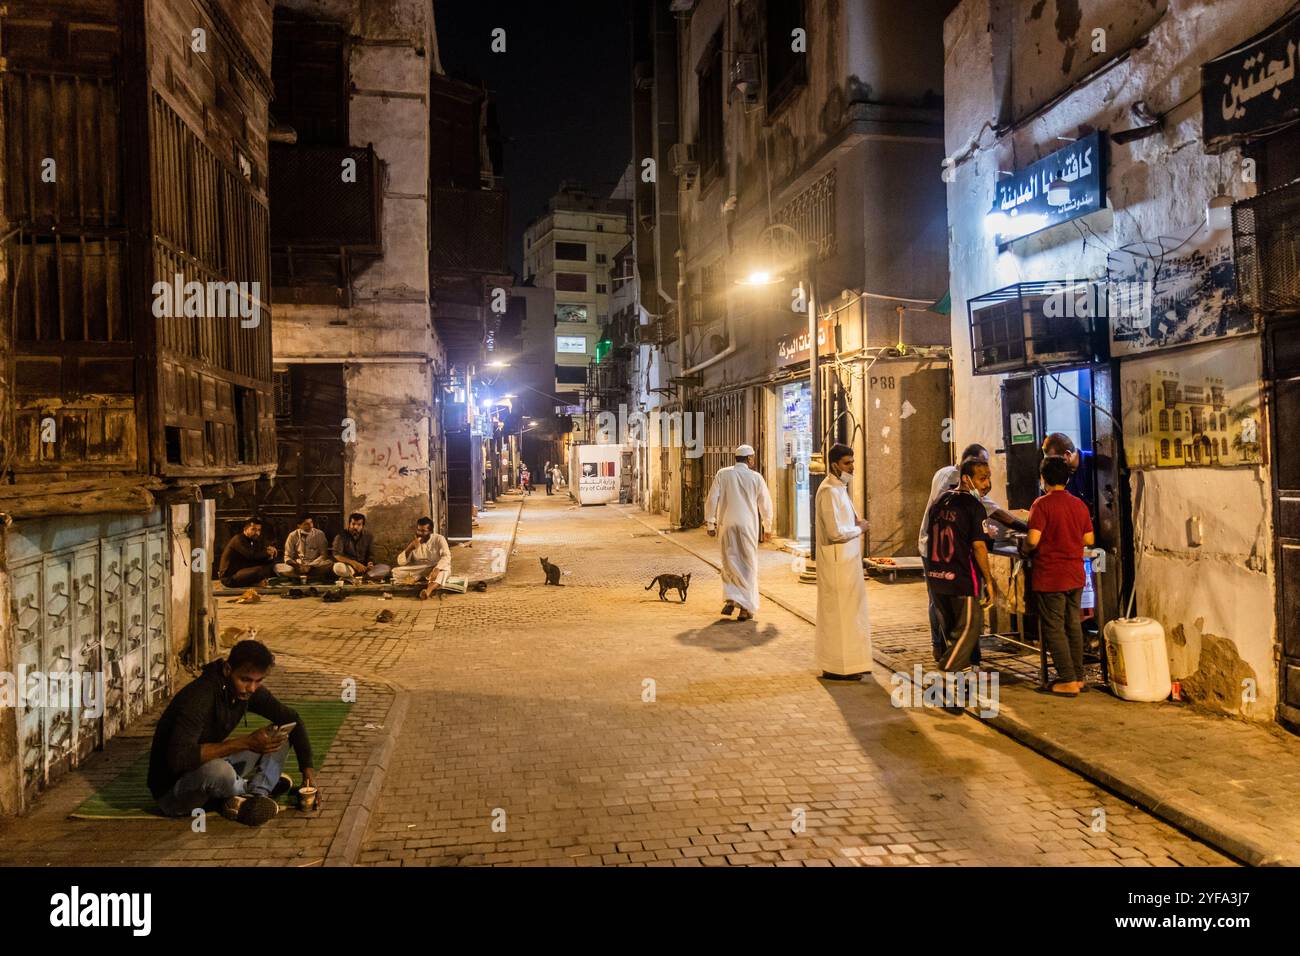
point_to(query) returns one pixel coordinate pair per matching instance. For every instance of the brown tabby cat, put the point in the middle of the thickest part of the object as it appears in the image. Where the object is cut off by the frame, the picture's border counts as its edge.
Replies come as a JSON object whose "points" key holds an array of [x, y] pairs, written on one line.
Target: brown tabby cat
{"points": [[671, 582]]}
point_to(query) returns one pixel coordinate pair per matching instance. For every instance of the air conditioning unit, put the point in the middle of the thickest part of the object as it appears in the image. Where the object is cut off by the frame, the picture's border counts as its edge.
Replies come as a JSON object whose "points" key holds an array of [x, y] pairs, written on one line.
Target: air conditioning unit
{"points": [[681, 156], [744, 77]]}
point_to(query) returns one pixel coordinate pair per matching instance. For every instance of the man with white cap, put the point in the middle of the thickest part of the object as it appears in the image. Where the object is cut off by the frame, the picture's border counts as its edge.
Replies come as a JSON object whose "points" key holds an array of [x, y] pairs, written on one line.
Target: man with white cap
{"points": [[739, 507]]}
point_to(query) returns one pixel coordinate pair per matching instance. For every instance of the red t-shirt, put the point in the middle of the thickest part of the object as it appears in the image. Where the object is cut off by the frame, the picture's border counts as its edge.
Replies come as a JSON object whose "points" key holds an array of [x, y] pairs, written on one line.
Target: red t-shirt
{"points": [[1058, 561]]}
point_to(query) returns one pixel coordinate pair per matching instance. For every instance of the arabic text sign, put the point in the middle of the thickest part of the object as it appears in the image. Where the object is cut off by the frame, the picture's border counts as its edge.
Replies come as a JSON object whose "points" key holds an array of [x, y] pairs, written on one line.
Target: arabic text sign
{"points": [[793, 347], [1022, 202], [1254, 87]]}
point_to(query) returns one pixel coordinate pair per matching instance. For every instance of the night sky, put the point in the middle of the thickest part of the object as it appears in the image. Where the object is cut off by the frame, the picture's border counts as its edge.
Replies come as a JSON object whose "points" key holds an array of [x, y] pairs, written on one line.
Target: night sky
{"points": [[562, 91]]}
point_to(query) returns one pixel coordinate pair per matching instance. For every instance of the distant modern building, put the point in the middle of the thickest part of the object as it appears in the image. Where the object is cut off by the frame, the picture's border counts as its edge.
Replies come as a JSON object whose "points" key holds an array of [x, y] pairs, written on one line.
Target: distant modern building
{"points": [[570, 249]]}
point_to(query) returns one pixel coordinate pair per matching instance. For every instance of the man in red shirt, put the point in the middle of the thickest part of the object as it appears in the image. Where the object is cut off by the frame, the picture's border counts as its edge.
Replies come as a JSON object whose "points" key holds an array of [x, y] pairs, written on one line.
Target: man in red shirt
{"points": [[1059, 529]]}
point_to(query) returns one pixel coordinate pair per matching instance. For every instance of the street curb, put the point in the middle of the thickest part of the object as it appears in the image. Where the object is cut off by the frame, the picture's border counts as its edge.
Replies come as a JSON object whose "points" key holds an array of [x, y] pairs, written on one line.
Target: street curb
{"points": [[514, 533], [1247, 851], [350, 836]]}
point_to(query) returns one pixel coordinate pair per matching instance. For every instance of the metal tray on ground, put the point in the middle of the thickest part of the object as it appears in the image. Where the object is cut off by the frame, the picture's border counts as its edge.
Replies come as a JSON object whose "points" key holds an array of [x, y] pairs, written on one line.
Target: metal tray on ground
{"points": [[877, 566]]}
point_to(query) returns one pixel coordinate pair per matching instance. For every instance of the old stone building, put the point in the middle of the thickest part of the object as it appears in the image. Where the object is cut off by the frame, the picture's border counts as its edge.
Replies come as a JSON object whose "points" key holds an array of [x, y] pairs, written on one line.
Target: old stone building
{"points": [[1115, 206], [135, 368], [790, 142], [387, 237]]}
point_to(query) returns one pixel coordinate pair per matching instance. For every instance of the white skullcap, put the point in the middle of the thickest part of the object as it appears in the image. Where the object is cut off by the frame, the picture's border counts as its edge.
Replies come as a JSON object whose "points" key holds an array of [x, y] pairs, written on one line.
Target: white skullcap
{"points": [[744, 451]]}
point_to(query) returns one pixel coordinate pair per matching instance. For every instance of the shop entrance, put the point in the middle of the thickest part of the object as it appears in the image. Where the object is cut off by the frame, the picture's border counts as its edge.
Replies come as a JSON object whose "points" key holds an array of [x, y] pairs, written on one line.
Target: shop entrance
{"points": [[1284, 368], [795, 450]]}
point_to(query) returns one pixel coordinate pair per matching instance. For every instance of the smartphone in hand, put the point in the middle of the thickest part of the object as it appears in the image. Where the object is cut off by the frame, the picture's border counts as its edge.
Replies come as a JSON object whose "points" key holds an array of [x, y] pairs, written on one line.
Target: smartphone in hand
{"points": [[282, 730]]}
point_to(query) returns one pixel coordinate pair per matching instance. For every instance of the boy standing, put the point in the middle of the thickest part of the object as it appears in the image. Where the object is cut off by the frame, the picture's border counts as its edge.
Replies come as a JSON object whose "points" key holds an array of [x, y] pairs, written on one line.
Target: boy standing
{"points": [[956, 559], [1059, 529]]}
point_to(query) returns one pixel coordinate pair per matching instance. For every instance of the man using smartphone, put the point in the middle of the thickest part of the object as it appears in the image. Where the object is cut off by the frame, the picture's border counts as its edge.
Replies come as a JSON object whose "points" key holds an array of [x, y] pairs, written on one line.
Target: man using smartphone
{"points": [[192, 763]]}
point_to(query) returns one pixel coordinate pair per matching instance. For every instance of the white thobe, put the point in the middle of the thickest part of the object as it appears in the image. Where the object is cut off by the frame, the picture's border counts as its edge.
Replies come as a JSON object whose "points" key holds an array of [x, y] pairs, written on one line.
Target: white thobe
{"points": [[740, 506], [843, 626], [434, 554]]}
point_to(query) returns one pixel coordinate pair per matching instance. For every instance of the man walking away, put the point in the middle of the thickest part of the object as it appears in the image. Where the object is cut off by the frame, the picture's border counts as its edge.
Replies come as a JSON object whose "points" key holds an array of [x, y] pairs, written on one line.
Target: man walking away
{"points": [[192, 764], [1059, 529], [843, 627], [956, 561], [739, 508], [247, 560], [550, 479]]}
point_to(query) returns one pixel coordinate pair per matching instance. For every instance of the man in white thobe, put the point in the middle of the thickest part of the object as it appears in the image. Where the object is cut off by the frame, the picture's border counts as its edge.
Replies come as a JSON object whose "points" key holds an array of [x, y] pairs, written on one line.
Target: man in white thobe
{"points": [[843, 626], [739, 508], [427, 558]]}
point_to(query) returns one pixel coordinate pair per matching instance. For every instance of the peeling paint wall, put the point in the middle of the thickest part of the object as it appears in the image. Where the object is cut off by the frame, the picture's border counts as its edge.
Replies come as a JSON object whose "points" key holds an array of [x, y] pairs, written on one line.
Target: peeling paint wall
{"points": [[11, 776], [1215, 601], [391, 356]]}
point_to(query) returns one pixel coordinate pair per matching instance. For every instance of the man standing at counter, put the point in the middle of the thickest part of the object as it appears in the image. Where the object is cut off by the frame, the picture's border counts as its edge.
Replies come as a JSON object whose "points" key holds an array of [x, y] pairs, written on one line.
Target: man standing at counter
{"points": [[1059, 529], [948, 478], [1061, 445], [956, 561]]}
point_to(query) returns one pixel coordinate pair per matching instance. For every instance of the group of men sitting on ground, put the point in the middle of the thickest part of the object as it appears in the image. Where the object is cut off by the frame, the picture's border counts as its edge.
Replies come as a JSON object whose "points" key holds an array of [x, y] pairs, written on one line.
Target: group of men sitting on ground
{"points": [[248, 561]]}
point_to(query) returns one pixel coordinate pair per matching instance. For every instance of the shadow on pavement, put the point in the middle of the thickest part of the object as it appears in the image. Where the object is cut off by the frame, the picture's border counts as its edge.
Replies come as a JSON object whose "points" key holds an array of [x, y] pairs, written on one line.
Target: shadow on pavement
{"points": [[728, 636]]}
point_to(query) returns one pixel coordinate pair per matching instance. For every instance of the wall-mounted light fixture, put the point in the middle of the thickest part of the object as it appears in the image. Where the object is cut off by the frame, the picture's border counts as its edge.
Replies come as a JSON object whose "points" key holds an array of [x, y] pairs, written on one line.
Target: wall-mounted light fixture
{"points": [[1218, 212]]}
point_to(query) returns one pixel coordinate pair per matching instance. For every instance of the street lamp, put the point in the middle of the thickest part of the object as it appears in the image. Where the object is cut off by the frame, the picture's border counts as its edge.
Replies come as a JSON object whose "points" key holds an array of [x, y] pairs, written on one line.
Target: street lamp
{"points": [[797, 253]]}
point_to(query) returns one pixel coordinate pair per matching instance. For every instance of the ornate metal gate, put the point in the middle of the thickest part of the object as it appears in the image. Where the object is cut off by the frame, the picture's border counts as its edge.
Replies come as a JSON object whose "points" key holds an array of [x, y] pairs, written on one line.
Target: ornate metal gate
{"points": [[98, 610]]}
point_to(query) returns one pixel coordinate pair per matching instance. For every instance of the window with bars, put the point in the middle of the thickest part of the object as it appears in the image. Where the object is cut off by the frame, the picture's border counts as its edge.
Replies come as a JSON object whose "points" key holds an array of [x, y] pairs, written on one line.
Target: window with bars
{"points": [[709, 140], [68, 257], [812, 215]]}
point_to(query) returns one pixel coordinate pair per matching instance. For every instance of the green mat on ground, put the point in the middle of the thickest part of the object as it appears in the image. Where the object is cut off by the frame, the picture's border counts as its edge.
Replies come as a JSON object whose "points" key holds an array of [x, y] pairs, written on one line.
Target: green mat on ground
{"points": [[127, 796]]}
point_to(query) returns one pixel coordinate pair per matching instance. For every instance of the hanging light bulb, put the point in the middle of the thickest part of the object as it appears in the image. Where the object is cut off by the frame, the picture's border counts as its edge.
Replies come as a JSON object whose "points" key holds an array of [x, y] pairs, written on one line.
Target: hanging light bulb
{"points": [[1218, 213]]}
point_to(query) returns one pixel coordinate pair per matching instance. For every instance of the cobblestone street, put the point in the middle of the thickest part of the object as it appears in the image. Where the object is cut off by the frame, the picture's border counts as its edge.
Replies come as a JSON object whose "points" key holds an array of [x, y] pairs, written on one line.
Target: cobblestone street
{"points": [[517, 730]]}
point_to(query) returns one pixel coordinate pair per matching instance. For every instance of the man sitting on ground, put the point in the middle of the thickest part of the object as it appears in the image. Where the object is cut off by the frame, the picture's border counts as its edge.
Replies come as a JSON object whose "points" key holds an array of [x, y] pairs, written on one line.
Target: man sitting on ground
{"points": [[192, 763], [427, 558], [354, 552], [307, 552], [247, 560]]}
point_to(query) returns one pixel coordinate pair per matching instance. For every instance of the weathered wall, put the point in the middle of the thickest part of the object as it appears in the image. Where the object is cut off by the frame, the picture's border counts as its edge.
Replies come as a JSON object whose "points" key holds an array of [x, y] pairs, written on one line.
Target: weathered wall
{"points": [[387, 402], [385, 339], [11, 777], [181, 543], [1215, 602], [868, 115]]}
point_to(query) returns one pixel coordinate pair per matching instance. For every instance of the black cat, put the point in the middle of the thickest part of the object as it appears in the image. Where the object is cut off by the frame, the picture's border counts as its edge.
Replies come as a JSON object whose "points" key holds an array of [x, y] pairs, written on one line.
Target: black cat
{"points": [[552, 573], [671, 582]]}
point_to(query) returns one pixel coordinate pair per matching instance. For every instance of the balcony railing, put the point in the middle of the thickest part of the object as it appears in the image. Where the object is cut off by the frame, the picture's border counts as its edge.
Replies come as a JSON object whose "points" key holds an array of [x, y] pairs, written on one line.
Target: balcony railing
{"points": [[320, 199], [469, 230], [1266, 241]]}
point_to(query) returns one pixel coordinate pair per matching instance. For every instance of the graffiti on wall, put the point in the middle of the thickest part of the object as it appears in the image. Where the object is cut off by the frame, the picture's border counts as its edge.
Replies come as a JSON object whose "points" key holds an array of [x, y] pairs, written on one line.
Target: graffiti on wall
{"points": [[388, 471]]}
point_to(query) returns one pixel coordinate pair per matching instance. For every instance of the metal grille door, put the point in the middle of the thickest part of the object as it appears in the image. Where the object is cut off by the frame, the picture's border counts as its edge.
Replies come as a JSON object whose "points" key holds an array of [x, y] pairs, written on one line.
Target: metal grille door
{"points": [[100, 608]]}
